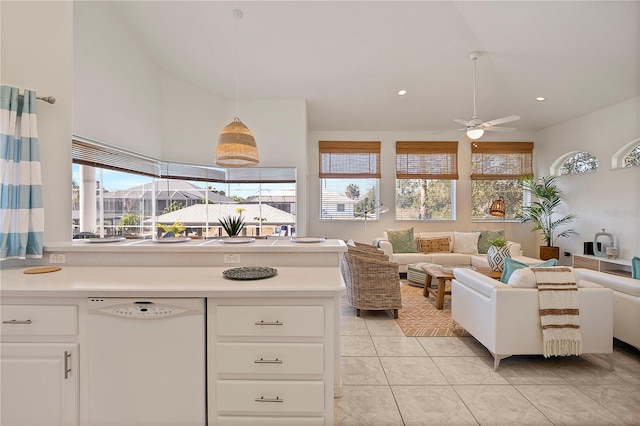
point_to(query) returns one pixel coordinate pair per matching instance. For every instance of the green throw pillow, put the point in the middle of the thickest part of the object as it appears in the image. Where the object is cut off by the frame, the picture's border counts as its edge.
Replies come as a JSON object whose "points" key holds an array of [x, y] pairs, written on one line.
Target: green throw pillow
{"points": [[635, 267], [487, 235], [402, 240], [511, 265]]}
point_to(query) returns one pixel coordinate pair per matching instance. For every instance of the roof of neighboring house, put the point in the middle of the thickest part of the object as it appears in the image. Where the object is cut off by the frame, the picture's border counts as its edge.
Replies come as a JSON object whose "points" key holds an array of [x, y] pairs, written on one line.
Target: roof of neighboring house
{"points": [[197, 213], [271, 198], [334, 197], [166, 189]]}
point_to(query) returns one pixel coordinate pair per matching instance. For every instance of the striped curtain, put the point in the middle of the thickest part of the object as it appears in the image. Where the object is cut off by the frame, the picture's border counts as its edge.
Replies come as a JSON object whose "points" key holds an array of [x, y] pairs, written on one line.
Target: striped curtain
{"points": [[21, 210]]}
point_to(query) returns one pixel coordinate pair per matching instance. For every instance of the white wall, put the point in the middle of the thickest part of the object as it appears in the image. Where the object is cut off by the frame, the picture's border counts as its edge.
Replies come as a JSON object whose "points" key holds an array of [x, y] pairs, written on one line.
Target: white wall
{"points": [[604, 199], [463, 222], [122, 98], [40, 57], [117, 85]]}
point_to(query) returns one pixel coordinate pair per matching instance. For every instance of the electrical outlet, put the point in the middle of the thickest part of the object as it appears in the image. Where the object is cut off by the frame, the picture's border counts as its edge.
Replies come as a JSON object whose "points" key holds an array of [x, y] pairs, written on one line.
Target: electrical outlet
{"points": [[231, 258], [57, 258]]}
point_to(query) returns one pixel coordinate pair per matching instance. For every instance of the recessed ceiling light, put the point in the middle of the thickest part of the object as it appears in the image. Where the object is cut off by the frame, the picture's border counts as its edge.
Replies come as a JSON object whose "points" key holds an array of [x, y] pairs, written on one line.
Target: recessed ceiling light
{"points": [[402, 92], [540, 98]]}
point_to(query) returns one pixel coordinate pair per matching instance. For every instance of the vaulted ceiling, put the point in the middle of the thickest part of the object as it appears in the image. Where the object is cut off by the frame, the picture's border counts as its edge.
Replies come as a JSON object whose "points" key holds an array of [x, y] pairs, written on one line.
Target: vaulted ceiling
{"points": [[348, 59]]}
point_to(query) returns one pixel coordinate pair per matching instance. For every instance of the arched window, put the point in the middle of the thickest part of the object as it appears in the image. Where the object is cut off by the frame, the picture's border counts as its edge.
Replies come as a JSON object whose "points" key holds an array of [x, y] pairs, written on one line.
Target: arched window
{"points": [[574, 163], [627, 156]]}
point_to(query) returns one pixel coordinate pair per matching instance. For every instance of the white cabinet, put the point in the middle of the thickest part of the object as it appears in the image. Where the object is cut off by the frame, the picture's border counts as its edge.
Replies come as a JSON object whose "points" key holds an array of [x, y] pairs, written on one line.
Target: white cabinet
{"points": [[39, 384], [39, 357], [271, 361]]}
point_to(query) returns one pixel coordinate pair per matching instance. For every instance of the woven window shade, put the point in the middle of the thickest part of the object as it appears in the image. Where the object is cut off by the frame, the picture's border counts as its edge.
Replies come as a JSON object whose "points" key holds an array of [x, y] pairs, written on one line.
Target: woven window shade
{"points": [[427, 160], [349, 159], [501, 160]]}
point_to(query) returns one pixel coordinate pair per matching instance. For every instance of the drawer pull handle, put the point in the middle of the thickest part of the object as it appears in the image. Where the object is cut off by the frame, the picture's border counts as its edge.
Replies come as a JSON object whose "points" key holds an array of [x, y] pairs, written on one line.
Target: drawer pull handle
{"points": [[263, 399], [67, 364], [269, 323], [268, 361], [15, 322]]}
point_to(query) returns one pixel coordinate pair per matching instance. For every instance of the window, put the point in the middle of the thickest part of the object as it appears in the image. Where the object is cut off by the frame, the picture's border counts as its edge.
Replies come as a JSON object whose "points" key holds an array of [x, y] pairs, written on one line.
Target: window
{"points": [[349, 177], [496, 168], [633, 157], [116, 192], [574, 163], [425, 180]]}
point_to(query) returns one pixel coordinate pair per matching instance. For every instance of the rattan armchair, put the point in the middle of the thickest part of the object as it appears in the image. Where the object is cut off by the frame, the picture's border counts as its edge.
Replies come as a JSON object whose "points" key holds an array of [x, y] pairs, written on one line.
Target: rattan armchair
{"points": [[372, 281]]}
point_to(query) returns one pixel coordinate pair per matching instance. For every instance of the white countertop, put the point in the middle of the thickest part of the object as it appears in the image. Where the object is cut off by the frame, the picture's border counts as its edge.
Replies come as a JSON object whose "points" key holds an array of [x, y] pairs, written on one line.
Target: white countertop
{"points": [[77, 281], [198, 245]]}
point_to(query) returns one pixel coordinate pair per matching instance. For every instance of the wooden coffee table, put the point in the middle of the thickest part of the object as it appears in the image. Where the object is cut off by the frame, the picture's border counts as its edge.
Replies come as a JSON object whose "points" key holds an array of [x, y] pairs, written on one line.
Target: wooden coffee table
{"points": [[435, 272]]}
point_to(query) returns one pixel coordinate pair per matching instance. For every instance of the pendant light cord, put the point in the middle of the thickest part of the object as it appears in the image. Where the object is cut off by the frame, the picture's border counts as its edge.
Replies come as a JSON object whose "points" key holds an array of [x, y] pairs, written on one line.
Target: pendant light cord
{"points": [[238, 14]]}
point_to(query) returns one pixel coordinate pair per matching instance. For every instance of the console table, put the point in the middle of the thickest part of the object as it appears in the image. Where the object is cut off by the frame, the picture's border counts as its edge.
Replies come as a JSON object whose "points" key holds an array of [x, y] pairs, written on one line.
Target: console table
{"points": [[620, 267]]}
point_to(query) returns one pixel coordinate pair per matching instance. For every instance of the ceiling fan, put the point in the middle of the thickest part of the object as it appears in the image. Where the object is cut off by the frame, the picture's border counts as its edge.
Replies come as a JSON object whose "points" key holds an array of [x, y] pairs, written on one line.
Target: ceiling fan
{"points": [[475, 127]]}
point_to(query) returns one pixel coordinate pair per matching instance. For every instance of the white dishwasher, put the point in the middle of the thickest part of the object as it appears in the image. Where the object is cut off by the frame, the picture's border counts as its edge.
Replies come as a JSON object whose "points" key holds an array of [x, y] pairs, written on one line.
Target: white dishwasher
{"points": [[146, 362]]}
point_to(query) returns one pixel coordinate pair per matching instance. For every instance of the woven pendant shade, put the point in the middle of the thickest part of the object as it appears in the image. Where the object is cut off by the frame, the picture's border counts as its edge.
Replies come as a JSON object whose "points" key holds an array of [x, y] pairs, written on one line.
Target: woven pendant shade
{"points": [[498, 208], [236, 146]]}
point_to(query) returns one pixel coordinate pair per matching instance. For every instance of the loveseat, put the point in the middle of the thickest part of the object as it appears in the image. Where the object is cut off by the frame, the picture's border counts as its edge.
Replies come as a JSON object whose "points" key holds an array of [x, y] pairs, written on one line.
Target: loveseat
{"points": [[626, 303], [456, 254], [506, 318]]}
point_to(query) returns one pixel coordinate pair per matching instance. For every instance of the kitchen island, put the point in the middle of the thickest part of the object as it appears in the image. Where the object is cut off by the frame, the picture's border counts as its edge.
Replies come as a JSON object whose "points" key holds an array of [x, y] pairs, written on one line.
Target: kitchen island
{"points": [[294, 315]]}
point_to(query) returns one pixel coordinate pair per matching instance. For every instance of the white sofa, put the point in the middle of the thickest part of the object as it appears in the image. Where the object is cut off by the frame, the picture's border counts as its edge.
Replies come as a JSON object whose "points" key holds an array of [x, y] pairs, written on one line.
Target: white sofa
{"points": [[626, 303], [506, 319], [441, 258]]}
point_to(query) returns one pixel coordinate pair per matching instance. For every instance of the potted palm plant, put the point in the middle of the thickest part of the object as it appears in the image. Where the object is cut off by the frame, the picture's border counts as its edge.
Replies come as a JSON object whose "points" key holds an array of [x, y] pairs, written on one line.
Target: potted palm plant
{"points": [[542, 213]]}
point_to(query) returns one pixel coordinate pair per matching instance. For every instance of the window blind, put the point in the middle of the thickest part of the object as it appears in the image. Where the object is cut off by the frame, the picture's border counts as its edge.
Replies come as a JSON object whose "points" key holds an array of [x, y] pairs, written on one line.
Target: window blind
{"points": [[501, 160], [94, 154], [427, 160], [349, 159]]}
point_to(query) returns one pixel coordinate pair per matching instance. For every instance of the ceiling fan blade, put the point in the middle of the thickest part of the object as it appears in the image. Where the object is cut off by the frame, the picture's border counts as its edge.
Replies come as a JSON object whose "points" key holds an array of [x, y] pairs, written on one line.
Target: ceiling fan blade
{"points": [[499, 129], [464, 123], [502, 120]]}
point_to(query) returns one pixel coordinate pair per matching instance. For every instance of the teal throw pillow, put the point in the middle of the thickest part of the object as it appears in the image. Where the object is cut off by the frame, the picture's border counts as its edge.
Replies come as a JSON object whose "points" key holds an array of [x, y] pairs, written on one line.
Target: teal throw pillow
{"points": [[402, 240], [635, 267], [487, 235], [511, 265]]}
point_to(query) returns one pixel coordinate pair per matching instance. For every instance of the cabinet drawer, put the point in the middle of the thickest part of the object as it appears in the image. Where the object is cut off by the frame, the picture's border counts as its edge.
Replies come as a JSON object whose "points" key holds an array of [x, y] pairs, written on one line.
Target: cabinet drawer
{"points": [[39, 320], [270, 321], [269, 421], [270, 358], [581, 262], [270, 396]]}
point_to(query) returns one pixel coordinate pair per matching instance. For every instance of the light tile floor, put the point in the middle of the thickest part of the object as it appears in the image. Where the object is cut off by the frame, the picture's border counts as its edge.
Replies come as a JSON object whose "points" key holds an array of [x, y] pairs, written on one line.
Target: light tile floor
{"points": [[390, 379]]}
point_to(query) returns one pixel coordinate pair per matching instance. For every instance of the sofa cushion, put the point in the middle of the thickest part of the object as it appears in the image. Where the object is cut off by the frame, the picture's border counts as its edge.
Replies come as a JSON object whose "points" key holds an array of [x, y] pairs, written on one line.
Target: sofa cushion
{"points": [[511, 265], [465, 242], [434, 245], [487, 235], [451, 258], [525, 278], [635, 267], [402, 240]]}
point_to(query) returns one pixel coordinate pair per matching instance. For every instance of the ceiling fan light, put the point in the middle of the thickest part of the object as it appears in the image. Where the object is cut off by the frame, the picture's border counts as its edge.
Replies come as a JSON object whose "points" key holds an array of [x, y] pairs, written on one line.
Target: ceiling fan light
{"points": [[236, 146], [475, 134]]}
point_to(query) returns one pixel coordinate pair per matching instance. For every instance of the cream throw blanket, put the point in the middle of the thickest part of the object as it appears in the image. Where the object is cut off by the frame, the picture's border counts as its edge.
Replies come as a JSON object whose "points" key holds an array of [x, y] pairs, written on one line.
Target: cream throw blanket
{"points": [[559, 315]]}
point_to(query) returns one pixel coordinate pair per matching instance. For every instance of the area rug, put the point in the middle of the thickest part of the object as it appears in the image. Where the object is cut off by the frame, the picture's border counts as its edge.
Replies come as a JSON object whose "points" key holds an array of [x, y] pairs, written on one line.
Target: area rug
{"points": [[419, 316]]}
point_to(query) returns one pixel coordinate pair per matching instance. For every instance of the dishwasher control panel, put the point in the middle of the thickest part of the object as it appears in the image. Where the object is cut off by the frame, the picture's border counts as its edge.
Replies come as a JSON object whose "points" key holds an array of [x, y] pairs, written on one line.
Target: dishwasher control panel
{"points": [[137, 308]]}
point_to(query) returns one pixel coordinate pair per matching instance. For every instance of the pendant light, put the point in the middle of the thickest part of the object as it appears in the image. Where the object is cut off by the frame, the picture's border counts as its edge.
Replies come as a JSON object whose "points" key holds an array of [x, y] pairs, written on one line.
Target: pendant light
{"points": [[236, 145]]}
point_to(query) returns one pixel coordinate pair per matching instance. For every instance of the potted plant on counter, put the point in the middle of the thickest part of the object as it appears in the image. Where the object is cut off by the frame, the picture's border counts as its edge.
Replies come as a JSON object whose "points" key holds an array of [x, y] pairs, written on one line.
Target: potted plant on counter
{"points": [[232, 225], [498, 251], [174, 230], [542, 213]]}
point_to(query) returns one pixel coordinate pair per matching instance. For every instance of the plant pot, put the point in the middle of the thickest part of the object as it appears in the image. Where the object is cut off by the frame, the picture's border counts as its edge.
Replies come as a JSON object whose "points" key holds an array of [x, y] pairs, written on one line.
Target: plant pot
{"points": [[547, 253], [496, 256]]}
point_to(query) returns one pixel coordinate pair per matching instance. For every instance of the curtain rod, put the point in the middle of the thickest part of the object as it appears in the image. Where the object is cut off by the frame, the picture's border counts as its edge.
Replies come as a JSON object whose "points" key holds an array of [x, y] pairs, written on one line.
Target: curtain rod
{"points": [[48, 99]]}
